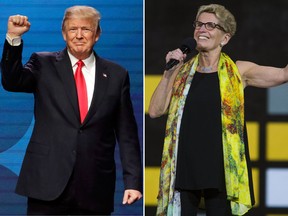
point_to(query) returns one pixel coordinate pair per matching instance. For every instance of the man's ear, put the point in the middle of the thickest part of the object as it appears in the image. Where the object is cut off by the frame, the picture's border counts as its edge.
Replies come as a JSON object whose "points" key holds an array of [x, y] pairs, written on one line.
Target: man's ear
{"points": [[64, 35]]}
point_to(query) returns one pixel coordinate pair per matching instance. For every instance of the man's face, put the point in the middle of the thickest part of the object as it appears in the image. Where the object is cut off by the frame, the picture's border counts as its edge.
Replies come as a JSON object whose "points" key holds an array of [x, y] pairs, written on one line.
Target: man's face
{"points": [[80, 36]]}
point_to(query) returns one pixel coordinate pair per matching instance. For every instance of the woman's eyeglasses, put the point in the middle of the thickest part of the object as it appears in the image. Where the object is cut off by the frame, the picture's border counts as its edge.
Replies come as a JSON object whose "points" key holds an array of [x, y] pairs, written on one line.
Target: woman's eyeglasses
{"points": [[208, 25]]}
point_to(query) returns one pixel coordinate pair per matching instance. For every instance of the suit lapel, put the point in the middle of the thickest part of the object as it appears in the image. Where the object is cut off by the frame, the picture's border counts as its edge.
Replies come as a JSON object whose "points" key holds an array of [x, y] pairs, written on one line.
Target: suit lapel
{"points": [[65, 71]]}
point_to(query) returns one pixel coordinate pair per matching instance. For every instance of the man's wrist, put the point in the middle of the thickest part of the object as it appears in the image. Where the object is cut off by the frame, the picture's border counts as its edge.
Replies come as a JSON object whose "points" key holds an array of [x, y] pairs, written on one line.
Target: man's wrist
{"points": [[13, 40]]}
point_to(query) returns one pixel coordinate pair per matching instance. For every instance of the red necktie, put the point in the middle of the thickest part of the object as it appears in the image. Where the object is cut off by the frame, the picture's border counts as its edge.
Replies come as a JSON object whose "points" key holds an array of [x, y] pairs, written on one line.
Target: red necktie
{"points": [[81, 91]]}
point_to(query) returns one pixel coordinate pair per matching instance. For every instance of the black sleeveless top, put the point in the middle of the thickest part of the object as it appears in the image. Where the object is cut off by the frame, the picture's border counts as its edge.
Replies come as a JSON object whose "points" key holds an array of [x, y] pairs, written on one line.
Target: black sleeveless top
{"points": [[200, 162], [200, 157]]}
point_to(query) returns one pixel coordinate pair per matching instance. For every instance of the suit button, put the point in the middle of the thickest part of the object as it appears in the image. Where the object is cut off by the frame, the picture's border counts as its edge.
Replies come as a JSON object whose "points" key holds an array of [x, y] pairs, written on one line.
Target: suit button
{"points": [[74, 152], [80, 131]]}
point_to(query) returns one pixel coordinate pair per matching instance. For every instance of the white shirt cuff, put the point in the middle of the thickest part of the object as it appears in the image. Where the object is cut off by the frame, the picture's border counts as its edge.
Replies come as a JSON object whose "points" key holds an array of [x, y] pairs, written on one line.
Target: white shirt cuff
{"points": [[16, 41]]}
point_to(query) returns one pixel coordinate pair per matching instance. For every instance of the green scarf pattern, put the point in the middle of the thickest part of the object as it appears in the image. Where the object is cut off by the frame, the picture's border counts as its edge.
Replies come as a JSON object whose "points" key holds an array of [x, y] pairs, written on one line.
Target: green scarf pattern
{"points": [[232, 115]]}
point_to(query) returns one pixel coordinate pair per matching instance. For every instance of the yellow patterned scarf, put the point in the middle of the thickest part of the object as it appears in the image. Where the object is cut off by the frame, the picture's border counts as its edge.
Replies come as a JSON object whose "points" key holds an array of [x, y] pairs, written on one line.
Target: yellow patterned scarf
{"points": [[232, 114]]}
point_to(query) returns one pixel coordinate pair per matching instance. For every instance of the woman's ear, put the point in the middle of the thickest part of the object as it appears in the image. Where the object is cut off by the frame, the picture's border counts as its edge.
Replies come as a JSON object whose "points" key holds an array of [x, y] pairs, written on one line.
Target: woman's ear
{"points": [[225, 39]]}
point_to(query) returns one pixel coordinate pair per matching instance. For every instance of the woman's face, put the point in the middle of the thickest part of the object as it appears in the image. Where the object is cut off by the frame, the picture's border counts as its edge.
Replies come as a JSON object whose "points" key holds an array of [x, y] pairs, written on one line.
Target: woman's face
{"points": [[209, 40]]}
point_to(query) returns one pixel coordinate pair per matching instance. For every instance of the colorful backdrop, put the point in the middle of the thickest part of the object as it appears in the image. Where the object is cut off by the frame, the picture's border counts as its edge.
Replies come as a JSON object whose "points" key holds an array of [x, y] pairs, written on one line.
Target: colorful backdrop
{"points": [[121, 41], [261, 37]]}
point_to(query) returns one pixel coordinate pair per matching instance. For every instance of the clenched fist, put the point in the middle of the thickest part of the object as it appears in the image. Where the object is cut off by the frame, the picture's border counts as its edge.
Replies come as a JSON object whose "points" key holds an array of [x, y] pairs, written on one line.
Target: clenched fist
{"points": [[17, 25]]}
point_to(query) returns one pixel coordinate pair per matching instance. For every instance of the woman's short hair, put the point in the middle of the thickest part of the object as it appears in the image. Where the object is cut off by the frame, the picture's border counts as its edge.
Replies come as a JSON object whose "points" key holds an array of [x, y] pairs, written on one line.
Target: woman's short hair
{"points": [[84, 12], [225, 17]]}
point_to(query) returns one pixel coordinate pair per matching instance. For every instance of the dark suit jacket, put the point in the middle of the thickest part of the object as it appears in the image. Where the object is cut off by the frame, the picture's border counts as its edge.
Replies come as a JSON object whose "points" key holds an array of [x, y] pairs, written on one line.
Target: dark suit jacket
{"points": [[60, 143]]}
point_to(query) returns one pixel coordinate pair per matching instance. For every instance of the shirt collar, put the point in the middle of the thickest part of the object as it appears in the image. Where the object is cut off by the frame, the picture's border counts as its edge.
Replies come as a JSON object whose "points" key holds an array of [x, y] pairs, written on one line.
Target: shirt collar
{"points": [[87, 62]]}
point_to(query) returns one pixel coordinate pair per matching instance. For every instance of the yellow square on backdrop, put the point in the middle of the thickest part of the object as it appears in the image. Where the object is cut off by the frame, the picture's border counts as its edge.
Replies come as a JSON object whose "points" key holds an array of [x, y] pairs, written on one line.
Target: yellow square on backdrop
{"points": [[255, 176], [151, 185], [151, 82], [277, 141], [253, 140]]}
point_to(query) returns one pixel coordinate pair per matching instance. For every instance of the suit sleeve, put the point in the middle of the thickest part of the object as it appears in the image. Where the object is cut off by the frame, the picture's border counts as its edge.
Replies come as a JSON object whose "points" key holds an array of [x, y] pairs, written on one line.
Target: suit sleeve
{"points": [[15, 76], [127, 135]]}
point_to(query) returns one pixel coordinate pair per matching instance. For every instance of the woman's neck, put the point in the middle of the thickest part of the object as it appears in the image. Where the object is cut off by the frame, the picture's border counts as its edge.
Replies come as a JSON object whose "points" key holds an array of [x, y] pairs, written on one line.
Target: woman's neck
{"points": [[208, 62]]}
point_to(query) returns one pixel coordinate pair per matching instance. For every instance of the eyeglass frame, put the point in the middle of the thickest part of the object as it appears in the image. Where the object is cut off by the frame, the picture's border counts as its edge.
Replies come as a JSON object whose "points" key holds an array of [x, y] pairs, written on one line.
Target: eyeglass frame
{"points": [[212, 25]]}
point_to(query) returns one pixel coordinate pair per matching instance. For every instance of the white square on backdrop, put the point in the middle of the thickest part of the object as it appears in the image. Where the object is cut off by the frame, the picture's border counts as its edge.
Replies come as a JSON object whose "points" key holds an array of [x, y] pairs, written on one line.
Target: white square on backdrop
{"points": [[277, 187]]}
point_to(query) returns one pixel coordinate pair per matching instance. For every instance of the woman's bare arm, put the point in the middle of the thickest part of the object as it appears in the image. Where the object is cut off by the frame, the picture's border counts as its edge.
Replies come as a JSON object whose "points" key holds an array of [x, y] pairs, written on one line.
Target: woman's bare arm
{"points": [[261, 76], [161, 97]]}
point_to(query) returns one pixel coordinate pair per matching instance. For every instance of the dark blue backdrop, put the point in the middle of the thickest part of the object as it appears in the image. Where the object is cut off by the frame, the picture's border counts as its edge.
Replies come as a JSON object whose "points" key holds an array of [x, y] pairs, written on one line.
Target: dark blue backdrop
{"points": [[121, 41]]}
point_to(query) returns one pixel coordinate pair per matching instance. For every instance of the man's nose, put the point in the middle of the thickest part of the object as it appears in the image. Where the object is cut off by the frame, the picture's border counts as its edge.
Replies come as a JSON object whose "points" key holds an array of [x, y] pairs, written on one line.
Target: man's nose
{"points": [[79, 33]]}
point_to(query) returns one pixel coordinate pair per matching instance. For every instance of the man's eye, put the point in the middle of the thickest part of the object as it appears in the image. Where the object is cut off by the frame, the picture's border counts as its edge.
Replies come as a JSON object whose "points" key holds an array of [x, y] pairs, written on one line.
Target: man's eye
{"points": [[86, 29]]}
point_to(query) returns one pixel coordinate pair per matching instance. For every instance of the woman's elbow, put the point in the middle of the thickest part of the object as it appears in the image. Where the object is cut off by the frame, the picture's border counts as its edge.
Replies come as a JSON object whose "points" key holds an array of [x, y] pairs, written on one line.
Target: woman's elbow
{"points": [[154, 113]]}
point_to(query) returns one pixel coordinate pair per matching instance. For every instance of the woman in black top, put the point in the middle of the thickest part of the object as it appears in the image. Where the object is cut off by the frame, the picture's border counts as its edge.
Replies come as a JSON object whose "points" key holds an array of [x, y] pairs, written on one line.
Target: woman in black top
{"points": [[205, 139]]}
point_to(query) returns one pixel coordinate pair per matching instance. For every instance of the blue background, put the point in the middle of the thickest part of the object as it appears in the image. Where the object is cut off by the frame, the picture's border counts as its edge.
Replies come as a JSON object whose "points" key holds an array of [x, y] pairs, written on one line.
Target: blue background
{"points": [[121, 41]]}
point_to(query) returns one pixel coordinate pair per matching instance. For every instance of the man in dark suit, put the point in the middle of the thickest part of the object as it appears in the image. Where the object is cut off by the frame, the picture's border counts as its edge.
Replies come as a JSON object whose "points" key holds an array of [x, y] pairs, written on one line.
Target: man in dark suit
{"points": [[69, 164]]}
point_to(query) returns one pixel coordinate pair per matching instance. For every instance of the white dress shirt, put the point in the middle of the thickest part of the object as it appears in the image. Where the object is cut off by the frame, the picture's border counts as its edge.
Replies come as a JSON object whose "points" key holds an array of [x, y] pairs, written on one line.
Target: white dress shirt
{"points": [[89, 72]]}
